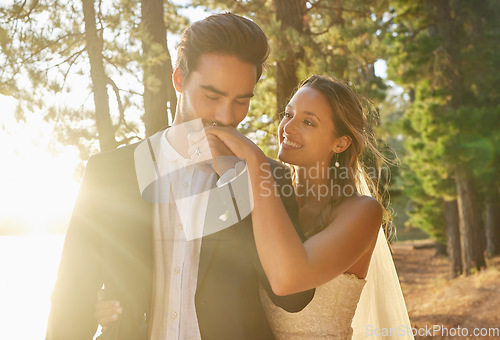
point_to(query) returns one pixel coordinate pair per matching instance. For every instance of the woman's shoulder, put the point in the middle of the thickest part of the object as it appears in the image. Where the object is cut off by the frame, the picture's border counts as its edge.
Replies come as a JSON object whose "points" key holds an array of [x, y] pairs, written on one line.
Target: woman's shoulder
{"points": [[362, 207], [366, 202]]}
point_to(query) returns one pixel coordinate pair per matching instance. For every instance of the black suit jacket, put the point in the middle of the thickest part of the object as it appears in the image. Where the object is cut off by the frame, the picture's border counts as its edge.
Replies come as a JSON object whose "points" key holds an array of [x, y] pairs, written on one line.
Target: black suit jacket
{"points": [[109, 241]]}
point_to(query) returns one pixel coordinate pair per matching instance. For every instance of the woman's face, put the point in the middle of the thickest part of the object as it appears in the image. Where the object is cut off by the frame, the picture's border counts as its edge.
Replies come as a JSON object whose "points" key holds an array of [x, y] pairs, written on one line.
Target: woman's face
{"points": [[306, 132]]}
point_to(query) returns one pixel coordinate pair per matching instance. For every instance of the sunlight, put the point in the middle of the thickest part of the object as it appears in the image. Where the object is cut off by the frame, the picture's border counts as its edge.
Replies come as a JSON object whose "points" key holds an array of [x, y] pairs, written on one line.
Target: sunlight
{"points": [[37, 194], [38, 188], [28, 265]]}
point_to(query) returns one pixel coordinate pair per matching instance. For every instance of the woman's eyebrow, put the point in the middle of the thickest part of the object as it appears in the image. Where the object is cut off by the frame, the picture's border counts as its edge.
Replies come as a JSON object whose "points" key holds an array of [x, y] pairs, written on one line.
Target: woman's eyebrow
{"points": [[312, 114], [289, 106]]}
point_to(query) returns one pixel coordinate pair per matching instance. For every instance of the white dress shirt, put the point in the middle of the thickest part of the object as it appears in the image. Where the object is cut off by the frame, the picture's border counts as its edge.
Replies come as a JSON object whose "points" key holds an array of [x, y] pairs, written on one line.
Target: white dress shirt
{"points": [[180, 189], [176, 245]]}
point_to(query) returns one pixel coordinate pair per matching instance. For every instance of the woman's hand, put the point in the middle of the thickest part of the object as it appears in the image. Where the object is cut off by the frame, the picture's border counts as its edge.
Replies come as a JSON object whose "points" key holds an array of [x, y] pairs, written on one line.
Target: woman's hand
{"points": [[240, 145], [106, 311]]}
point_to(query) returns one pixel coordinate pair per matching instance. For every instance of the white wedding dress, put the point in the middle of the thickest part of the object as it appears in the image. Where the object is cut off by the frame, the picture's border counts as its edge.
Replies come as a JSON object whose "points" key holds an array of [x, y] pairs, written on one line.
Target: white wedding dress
{"points": [[327, 316], [348, 307]]}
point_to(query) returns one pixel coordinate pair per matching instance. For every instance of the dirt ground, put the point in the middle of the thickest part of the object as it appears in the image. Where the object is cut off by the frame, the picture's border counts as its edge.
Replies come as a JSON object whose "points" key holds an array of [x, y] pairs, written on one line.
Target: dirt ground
{"points": [[434, 299]]}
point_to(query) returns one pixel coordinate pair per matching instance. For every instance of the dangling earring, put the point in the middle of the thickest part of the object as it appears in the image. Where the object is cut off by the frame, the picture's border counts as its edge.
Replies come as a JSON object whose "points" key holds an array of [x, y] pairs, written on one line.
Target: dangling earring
{"points": [[337, 164]]}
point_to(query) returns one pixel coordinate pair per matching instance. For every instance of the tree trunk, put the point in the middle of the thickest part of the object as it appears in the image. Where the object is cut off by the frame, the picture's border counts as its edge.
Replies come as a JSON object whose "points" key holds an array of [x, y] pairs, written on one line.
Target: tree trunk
{"points": [[492, 223], [497, 227], [470, 231], [291, 15], [105, 129], [159, 93], [472, 250], [340, 61], [441, 249], [453, 237], [497, 233], [450, 55]]}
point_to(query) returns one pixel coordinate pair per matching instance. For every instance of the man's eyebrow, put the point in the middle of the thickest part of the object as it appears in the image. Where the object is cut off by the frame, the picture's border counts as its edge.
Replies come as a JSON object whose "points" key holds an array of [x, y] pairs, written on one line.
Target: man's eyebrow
{"points": [[213, 89], [246, 95], [222, 93]]}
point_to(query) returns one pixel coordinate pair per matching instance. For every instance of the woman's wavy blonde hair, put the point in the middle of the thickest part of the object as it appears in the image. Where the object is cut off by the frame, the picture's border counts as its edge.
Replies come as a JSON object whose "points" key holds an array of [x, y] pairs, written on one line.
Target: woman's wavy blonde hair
{"points": [[350, 119]]}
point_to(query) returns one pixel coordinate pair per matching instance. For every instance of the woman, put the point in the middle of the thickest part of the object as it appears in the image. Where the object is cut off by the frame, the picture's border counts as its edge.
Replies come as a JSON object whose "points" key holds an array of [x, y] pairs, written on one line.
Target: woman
{"points": [[322, 135]]}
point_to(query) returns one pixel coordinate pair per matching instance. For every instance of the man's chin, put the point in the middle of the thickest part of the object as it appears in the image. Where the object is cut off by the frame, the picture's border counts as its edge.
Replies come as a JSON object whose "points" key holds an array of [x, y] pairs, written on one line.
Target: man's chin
{"points": [[191, 120]]}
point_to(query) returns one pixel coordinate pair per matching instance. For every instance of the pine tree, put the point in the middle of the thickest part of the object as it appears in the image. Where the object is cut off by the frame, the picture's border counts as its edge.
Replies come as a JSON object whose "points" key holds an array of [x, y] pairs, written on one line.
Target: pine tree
{"points": [[442, 54], [340, 39], [94, 47], [45, 43], [159, 93]]}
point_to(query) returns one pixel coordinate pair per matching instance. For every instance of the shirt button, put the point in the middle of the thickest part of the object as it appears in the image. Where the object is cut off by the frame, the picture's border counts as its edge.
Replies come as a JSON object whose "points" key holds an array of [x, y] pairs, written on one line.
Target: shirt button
{"points": [[174, 315], [186, 185], [177, 270], [180, 226]]}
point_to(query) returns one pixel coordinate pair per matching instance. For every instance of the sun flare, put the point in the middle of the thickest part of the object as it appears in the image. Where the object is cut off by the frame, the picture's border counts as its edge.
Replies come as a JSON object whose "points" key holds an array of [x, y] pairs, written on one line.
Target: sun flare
{"points": [[37, 186]]}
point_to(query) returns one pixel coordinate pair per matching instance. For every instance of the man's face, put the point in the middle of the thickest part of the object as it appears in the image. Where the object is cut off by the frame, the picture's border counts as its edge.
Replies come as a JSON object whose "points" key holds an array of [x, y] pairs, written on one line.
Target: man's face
{"points": [[218, 91]]}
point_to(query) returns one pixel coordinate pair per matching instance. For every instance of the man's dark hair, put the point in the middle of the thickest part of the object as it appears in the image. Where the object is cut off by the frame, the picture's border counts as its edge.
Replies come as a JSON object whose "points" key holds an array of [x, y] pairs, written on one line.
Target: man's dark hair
{"points": [[225, 33]]}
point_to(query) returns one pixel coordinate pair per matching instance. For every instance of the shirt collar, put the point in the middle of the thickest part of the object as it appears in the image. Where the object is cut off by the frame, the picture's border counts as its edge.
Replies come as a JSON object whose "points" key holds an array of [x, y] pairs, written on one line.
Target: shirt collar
{"points": [[168, 152]]}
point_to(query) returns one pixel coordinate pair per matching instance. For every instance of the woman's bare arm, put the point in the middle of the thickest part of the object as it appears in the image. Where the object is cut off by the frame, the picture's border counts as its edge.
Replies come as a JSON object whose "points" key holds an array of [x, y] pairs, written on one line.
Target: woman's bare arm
{"points": [[290, 265]]}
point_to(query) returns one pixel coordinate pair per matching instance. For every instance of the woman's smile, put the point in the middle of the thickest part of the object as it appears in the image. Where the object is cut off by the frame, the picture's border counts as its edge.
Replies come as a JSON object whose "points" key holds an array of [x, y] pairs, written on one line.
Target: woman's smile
{"points": [[289, 144]]}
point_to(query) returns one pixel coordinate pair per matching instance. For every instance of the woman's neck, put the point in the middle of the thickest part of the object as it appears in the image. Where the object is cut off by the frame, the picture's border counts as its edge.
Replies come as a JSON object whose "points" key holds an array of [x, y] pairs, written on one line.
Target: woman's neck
{"points": [[313, 185]]}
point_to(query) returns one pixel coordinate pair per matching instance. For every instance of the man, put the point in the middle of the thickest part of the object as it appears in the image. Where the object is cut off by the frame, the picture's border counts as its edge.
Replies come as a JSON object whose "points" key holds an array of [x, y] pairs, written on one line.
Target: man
{"points": [[172, 286]]}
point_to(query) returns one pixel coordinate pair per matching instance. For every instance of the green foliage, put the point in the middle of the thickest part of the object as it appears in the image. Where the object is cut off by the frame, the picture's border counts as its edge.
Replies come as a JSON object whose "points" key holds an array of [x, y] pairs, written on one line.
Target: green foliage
{"points": [[341, 40], [260, 122], [42, 47], [42, 50], [439, 136], [425, 212]]}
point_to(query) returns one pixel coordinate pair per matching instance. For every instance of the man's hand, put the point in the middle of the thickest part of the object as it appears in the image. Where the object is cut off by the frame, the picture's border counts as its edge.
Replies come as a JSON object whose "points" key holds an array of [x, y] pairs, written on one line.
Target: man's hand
{"points": [[211, 149]]}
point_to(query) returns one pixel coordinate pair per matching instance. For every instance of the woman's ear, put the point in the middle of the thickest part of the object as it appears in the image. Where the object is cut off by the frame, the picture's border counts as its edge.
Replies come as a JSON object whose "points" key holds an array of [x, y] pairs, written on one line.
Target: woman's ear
{"points": [[341, 144], [177, 79]]}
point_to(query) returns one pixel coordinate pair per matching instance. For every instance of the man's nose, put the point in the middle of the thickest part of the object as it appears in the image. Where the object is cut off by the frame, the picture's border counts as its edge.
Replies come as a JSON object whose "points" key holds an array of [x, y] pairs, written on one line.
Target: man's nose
{"points": [[224, 114]]}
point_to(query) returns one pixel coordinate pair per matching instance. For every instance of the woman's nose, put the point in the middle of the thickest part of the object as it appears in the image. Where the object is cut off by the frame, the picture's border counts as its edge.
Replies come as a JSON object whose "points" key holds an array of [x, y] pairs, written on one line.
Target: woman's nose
{"points": [[290, 126]]}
